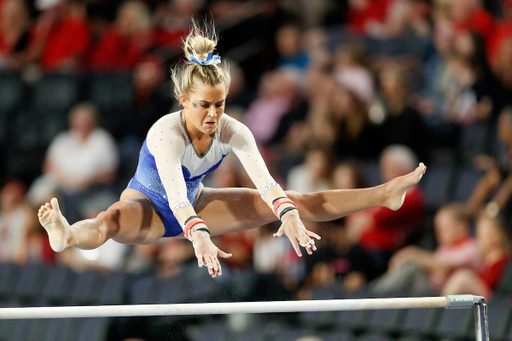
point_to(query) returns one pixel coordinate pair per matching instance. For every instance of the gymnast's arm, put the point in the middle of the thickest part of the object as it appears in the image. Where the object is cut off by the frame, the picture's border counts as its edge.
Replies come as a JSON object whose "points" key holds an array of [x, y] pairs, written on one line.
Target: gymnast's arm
{"points": [[244, 146]]}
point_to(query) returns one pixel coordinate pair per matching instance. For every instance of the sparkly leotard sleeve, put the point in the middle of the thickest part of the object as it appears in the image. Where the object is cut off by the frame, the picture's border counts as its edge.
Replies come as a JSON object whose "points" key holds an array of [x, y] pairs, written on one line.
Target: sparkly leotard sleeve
{"points": [[242, 143]]}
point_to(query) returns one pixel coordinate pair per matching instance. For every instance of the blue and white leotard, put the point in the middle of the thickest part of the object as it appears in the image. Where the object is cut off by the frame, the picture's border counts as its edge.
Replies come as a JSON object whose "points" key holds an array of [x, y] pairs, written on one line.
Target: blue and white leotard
{"points": [[170, 170]]}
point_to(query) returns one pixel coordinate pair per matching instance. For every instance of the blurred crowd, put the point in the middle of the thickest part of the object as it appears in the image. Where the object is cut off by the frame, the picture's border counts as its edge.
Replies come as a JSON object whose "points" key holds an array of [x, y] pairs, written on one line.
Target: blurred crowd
{"points": [[339, 95]]}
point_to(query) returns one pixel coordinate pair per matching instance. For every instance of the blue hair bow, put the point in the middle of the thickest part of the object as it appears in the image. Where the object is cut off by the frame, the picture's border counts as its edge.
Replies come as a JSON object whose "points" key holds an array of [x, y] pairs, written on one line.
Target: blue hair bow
{"points": [[210, 59]]}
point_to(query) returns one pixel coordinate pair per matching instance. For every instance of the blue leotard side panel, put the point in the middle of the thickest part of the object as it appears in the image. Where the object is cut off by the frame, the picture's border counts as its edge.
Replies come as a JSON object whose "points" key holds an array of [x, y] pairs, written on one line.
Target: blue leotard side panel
{"points": [[147, 181], [172, 227]]}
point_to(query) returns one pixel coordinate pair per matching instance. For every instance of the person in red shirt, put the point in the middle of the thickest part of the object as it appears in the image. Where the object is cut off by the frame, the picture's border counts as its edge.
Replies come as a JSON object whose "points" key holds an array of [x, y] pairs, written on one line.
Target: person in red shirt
{"points": [[61, 37], [469, 15], [124, 44], [493, 240], [377, 233], [502, 33]]}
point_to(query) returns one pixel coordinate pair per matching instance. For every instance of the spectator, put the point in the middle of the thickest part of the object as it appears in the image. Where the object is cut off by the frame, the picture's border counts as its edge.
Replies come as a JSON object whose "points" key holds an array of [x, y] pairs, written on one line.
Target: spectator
{"points": [[409, 18], [277, 96], [367, 16], [80, 165], [61, 36], [435, 70], [469, 15], [149, 101], [503, 71], [17, 220], [172, 20], [126, 42], [314, 174], [475, 78], [172, 256], [376, 234], [348, 174], [354, 133], [396, 120], [14, 33], [274, 263], [496, 183], [420, 272], [352, 71], [289, 39], [502, 32], [493, 238], [239, 95], [322, 268]]}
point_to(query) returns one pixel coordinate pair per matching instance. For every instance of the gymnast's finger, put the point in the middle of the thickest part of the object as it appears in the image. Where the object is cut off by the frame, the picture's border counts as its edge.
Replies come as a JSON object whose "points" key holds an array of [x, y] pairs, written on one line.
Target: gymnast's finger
{"points": [[313, 234], [225, 255], [295, 244]]}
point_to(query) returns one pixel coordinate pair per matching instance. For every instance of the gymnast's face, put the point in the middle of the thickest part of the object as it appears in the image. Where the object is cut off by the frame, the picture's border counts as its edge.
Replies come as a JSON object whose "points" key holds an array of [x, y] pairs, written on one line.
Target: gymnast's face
{"points": [[204, 106]]}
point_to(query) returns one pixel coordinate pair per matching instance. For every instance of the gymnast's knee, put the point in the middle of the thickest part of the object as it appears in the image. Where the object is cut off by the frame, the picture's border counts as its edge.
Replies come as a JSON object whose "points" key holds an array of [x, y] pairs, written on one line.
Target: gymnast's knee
{"points": [[295, 196], [110, 219]]}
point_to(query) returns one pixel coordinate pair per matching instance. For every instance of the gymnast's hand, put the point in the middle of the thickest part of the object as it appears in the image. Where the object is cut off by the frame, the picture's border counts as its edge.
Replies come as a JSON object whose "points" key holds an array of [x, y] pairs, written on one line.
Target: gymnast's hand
{"points": [[293, 228], [207, 253]]}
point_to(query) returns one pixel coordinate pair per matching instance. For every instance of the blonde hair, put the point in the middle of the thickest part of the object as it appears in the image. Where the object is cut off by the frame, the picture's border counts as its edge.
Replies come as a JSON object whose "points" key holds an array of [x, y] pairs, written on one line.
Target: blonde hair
{"points": [[199, 42]]}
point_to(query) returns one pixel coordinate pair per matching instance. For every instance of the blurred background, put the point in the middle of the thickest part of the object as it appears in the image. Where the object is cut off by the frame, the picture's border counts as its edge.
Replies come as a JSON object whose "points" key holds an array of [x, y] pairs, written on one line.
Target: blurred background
{"points": [[339, 94]]}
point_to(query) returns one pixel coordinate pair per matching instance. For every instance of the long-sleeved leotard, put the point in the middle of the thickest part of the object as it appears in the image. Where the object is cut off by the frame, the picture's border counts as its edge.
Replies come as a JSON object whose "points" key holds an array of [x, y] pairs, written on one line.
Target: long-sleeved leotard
{"points": [[170, 170]]}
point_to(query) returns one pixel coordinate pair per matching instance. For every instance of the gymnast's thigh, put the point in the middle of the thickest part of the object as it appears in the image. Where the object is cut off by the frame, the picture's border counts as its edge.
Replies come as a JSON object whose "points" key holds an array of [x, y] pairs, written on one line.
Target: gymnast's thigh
{"points": [[227, 210], [138, 219]]}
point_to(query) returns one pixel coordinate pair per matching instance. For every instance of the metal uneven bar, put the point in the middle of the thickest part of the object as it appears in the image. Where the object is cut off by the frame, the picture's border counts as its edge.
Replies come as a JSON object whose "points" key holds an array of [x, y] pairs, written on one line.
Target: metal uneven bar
{"points": [[463, 301]]}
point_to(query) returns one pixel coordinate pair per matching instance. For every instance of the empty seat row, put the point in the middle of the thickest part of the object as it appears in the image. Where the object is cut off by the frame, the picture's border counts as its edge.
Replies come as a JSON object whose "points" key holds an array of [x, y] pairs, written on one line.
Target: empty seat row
{"points": [[58, 92]]}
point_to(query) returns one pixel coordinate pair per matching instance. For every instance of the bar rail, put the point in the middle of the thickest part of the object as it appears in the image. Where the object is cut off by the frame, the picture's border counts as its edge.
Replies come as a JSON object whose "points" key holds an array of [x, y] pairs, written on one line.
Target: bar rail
{"points": [[450, 302]]}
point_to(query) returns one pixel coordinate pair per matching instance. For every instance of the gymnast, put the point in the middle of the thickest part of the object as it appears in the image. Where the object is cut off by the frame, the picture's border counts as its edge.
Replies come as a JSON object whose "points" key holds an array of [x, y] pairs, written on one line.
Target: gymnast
{"points": [[166, 198]]}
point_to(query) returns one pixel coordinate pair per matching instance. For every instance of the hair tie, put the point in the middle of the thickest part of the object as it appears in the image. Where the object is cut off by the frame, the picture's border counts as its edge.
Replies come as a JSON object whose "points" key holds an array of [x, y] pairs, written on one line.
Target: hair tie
{"points": [[210, 59]]}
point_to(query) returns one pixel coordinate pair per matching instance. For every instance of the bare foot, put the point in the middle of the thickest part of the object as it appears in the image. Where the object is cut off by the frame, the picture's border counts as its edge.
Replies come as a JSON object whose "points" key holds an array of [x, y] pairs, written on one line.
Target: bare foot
{"points": [[55, 224], [397, 187]]}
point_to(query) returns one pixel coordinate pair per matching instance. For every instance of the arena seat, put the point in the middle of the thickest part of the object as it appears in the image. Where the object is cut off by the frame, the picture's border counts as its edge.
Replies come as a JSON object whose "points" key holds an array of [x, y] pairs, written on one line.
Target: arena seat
{"points": [[30, 281], [29, 330], [454, 323], [145, 290], [113, 289], [94, 329], [418, 322], [87, 288], [56, 93], [58, 285], [61, 329], [436, 185], [385, 322], [111, 92], [9, 273], [12, 91], [467, 179], [474, 140]]}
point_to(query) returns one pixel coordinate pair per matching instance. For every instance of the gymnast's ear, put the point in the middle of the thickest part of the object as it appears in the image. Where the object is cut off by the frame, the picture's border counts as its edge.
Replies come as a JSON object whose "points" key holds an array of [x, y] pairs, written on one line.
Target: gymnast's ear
{"points": [[183, 100]]}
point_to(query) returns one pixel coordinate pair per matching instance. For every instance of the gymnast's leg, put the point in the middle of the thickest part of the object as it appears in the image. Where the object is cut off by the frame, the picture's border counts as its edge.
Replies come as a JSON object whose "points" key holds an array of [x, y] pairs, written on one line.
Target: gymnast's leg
{"points": [[132, 220], [233, 209]]}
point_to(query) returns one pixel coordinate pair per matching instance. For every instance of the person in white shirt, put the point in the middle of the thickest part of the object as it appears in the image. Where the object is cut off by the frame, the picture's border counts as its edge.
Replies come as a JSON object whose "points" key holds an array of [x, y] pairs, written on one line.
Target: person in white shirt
{"points": [[166, 198], [80, 164]]}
